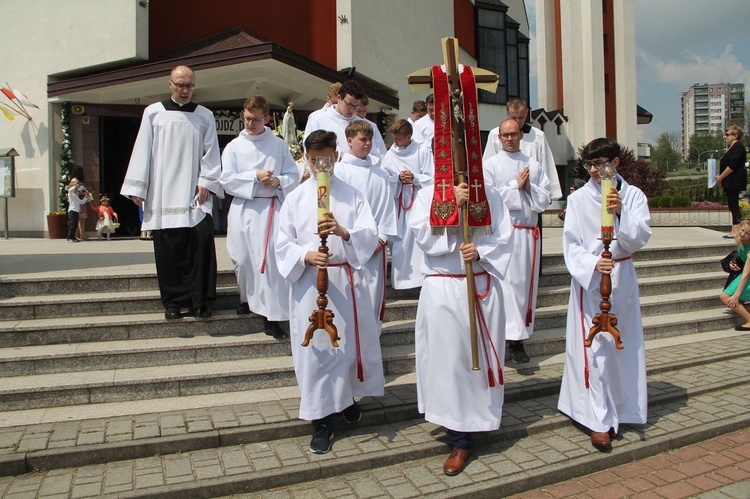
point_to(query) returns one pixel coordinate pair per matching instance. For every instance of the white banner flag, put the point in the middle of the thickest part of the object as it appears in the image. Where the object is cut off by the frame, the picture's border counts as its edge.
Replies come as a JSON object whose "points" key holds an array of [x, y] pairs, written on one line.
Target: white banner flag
{"points": [[711, 172]]}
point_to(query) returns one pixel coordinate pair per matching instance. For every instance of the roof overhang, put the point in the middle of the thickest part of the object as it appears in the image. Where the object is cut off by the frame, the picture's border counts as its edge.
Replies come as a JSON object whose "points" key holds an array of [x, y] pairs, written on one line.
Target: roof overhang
{"points": [[644, 116], [224, 78]]}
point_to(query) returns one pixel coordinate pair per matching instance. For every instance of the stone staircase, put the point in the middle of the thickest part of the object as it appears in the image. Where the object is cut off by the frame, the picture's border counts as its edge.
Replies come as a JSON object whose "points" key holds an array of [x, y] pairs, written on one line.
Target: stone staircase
{"points": [[100, 395]]}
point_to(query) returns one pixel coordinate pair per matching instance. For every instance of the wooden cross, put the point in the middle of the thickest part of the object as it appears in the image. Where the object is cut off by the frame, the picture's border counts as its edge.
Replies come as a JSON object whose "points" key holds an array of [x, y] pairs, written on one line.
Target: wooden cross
{"points": [[422, 80]]}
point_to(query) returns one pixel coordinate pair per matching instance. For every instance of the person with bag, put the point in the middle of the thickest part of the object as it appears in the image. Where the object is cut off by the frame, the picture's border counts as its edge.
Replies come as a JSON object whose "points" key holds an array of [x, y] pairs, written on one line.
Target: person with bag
{"points": [[737, 293]]}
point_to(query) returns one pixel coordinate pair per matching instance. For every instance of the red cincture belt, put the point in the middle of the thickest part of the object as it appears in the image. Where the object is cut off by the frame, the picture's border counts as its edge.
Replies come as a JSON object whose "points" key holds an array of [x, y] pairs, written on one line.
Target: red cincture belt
{"points": [[268, 231], [401, 199], [483, 329], [350, 275], [535, 234]]}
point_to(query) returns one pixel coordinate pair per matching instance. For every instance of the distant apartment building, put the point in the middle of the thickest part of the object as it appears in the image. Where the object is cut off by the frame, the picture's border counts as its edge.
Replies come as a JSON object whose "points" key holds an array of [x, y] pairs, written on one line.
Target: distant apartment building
{"points": [[710, 107]]}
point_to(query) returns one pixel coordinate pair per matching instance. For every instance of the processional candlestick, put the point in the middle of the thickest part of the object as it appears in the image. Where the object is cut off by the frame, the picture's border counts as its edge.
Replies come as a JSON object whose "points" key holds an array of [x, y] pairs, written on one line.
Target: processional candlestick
{"points": [[322, 318], [604, 321]]}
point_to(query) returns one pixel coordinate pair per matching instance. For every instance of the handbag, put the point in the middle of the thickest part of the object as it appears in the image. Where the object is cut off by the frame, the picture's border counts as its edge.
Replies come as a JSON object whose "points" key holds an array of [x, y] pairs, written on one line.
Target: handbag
{"points": [[732, 257]]}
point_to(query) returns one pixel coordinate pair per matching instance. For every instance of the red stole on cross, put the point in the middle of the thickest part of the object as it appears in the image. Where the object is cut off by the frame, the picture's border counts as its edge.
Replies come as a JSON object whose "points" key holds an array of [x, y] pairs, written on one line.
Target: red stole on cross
{"points": [[444, 214]]}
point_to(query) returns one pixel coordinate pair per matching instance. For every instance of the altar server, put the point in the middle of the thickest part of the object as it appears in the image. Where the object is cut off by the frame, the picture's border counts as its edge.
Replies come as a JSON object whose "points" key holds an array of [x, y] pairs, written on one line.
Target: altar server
{"points": [[259, 171], [336, 118], [410, 168], [358, 169], [329, 377], [603, 387]]}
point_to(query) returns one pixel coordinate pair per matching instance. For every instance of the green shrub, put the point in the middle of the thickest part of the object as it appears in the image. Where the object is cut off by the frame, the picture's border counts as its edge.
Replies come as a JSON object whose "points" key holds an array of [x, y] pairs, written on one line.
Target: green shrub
{"points": [[654, 202], [680, 202], [665, 202]]}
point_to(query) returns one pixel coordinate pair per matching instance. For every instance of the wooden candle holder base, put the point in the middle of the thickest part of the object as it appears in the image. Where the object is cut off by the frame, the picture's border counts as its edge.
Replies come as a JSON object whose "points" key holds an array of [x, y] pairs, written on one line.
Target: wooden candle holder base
{"points": [[604, 321], [322, 318]]}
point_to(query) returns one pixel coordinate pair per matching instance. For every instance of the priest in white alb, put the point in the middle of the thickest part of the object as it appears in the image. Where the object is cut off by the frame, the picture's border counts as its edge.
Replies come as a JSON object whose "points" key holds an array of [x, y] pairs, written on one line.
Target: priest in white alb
{"points": [[410, 168], [330, 377], [259, 171], [173, 171], [525, 190], [603, 387]]}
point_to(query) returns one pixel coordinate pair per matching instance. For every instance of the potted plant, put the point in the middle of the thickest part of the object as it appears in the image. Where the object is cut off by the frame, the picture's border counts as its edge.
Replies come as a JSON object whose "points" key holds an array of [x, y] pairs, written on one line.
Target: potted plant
{"points": [[57, 220]]}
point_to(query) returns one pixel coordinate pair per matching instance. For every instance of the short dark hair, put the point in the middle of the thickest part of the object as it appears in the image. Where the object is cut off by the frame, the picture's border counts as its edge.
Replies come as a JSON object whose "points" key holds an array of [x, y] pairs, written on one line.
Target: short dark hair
{"points": [[419, 106], [351, 87], [430, 100], [601, 147], [320, 139], [516, 103], [401, 127]]}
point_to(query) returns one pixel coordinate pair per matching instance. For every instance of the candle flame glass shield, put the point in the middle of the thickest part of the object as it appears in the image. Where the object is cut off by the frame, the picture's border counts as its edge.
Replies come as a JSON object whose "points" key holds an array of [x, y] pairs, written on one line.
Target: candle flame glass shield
{"points": [[607, 176]]}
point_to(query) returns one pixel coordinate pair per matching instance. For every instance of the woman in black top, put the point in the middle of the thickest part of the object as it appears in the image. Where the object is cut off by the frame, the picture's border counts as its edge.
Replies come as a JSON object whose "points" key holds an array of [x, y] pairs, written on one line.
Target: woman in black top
{"points": [[732, 174]]}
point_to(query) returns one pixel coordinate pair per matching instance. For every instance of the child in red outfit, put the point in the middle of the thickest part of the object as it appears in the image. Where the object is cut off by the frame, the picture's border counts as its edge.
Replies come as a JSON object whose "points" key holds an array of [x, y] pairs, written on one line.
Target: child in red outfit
{"points": [[106, 216]]}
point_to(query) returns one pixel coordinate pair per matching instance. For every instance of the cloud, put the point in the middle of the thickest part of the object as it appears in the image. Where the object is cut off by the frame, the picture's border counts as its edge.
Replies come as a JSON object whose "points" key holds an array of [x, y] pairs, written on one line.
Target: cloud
{"points": [[689, 68]]}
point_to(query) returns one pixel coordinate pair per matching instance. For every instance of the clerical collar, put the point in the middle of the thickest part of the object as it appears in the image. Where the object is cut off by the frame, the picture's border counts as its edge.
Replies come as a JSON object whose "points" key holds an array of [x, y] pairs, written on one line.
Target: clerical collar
{"points": [[526, 128], [171, 105]]}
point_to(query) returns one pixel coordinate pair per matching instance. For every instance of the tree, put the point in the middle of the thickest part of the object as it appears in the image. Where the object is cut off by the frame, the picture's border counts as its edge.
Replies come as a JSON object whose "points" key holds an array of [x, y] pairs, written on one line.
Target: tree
{"points": [[652, 181], [665, 155], [702, 143]]}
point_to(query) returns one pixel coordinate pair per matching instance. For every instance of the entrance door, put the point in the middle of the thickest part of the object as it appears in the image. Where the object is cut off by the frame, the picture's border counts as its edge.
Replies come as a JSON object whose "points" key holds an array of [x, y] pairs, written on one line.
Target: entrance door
{"points": [[117, 137]]}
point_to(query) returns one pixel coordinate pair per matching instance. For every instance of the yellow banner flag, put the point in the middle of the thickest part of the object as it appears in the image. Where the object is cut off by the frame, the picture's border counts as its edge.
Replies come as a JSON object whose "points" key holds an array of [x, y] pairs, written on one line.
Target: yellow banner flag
{"points": [[7, 113]]}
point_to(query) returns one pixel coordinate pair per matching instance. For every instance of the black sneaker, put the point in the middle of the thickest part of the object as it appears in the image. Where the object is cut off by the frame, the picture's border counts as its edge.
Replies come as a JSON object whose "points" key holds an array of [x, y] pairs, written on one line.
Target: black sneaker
{"points": [[243, 309], [172, 313], [352, 414], [321, 440], [517, 353]]}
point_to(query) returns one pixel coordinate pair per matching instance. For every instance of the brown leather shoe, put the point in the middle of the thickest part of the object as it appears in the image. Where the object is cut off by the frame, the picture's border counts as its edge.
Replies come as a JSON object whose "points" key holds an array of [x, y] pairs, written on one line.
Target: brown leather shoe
{"points": [[601, 440], [456, 462]]}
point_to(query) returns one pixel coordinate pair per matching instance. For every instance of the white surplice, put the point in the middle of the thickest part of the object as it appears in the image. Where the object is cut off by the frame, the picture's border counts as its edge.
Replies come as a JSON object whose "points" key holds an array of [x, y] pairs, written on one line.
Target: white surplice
{"points": [[331, 120], [373, 182], [406, 257], [423, 130], [501, 170], [533, 144], [175, 152], [327, 376], [449, 393], [250, 241], [617, 378]]}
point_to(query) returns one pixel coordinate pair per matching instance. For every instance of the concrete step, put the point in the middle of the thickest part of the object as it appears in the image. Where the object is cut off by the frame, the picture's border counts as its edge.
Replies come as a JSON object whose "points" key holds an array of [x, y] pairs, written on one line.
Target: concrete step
{"points": [[696, 389], [398, 330], [557, 276], [710, 282], [126, 354], [119, 302], [158, 380]]}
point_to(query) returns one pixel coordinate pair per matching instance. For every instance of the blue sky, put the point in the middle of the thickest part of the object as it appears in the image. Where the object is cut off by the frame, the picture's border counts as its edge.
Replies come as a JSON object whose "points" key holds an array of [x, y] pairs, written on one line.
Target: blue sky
{"points": [[680, 43]]}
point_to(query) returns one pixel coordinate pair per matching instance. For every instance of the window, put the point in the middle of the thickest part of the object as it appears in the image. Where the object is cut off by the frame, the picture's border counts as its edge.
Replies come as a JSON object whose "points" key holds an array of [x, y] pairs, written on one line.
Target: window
{"points": [[502, 50]]}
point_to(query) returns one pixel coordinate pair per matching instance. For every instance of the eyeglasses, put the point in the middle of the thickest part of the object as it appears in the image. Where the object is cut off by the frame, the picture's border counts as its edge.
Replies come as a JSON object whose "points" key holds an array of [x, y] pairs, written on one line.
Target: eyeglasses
{"points": [[253, 120], [515, 135], [596, 163], [183, 86], [349, 104], [729, 134]]}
